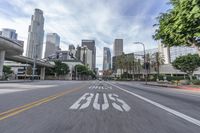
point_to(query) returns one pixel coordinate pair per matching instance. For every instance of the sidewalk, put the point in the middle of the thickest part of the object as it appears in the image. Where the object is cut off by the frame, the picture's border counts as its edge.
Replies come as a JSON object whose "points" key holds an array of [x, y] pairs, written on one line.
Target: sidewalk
{"points": [[15, 81], [185, 87]]}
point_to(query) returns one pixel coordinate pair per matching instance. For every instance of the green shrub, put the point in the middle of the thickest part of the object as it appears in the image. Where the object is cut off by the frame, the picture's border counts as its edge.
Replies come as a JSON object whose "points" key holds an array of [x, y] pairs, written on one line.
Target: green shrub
{"points": [[196, 82]]}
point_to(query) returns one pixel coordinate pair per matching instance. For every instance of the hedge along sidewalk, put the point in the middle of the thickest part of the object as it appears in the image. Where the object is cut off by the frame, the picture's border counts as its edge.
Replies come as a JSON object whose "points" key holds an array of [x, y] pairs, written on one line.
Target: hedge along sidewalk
{"points": [[185, 87]]}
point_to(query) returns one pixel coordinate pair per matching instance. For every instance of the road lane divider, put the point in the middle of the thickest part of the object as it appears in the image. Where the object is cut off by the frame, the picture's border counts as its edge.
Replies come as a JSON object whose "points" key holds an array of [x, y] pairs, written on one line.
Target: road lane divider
{"points": [[170, 110], [20, 109]]}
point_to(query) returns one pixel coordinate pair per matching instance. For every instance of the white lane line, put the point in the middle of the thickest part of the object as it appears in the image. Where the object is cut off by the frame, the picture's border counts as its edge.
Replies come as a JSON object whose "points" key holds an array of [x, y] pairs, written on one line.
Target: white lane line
{"points": [[174, 112]]}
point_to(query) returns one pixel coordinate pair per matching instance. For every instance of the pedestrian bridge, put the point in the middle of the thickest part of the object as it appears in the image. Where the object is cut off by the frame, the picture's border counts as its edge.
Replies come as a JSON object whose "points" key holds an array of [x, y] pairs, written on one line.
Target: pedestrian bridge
{"points": [[12, 50]]}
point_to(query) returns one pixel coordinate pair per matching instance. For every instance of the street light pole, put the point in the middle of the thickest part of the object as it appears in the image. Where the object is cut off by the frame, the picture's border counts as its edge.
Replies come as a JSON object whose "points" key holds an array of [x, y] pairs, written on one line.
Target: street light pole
{"points": [[34, 63], [145, 65]]}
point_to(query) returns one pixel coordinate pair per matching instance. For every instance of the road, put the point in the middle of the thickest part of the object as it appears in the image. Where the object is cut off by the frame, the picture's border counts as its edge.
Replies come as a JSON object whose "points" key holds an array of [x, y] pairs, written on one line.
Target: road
{"points": [[97, 107]]}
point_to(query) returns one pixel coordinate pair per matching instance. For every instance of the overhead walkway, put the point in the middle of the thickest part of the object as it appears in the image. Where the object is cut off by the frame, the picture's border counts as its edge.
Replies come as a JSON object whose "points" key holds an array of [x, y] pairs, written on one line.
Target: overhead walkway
{"points": [[12, 50]]}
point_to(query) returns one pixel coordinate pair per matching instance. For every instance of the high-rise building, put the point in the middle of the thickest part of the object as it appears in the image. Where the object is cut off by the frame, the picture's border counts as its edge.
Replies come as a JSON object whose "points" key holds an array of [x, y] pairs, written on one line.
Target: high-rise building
{"points": [[9, 33], [36, 35], [106, 59], [71, 47], [78, 53], [90, 44], [52, 44], [118, 47], [72, 50], [86, 57]]}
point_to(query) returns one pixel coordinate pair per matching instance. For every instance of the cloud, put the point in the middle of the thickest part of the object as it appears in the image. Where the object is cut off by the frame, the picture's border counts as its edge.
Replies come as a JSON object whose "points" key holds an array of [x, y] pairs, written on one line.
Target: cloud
{"points": [[74, 20]]}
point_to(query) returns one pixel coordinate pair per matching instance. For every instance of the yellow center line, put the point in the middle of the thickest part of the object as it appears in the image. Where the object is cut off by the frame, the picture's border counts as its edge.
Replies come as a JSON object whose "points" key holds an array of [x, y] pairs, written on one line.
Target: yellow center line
{"points": [[28, 106]]}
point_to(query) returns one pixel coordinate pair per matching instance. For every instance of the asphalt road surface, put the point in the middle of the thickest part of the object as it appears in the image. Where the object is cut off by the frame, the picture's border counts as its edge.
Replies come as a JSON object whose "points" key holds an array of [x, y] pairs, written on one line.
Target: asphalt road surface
{"points": [[97, 107]]}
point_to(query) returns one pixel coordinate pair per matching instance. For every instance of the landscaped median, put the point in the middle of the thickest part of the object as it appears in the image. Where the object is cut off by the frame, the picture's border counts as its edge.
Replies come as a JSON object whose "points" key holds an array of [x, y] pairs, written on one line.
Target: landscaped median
{"points": [[167, 84]]}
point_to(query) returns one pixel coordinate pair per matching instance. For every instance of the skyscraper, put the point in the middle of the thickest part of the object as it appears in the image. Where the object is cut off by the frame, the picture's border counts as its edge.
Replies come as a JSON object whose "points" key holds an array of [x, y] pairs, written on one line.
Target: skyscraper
{"points": [[71, 47], [118, 47], [36, 35], [9, 33], [52, 44], [86, 56], [106, 59], [90, 44]]}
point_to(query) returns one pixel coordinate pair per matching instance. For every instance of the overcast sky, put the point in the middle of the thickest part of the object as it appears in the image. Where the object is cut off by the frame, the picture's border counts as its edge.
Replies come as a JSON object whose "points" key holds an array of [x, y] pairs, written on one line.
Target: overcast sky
{"points": [[74, 20]]}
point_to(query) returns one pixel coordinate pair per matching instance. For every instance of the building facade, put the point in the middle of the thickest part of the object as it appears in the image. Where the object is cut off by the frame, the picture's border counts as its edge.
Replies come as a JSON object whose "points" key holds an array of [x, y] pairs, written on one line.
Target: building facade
{"points": [[86, 57], [52, 44], [90, 44], [71, 47], [170, 54], [9, 33], [106, 59], [118, 47], [35, 35], [140, 54]]}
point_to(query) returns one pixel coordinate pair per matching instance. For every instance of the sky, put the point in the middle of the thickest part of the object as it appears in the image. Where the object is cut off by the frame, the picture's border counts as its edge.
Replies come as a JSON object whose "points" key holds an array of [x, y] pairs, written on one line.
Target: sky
{"points": [[101, 20]]}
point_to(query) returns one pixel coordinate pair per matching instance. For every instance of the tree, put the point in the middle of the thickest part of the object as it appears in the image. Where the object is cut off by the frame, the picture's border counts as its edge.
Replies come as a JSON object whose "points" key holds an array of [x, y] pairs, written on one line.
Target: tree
{"points": [[49, 71], [138, 67], [188, 63], [7, 71], [180, 25], [131, 64], [84, 72], [121, 62], [61, 68], [157, 60]]}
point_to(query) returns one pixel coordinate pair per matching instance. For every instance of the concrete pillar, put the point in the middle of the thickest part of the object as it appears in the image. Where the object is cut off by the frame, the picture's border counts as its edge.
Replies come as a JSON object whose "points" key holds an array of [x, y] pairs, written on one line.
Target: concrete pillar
{"points": [[2, 57], [42, 73]]}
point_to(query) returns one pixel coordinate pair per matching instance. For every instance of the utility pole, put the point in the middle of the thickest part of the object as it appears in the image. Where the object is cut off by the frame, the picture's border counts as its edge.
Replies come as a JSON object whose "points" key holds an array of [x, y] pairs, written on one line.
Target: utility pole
{"points": [[34, 63]]}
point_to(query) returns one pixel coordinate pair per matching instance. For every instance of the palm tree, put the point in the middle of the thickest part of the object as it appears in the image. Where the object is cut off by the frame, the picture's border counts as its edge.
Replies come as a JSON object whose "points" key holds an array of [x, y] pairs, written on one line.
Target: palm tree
{"points": [[119, 63], [147, 63], [137, 66], [158, 59], [130, 64]]}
